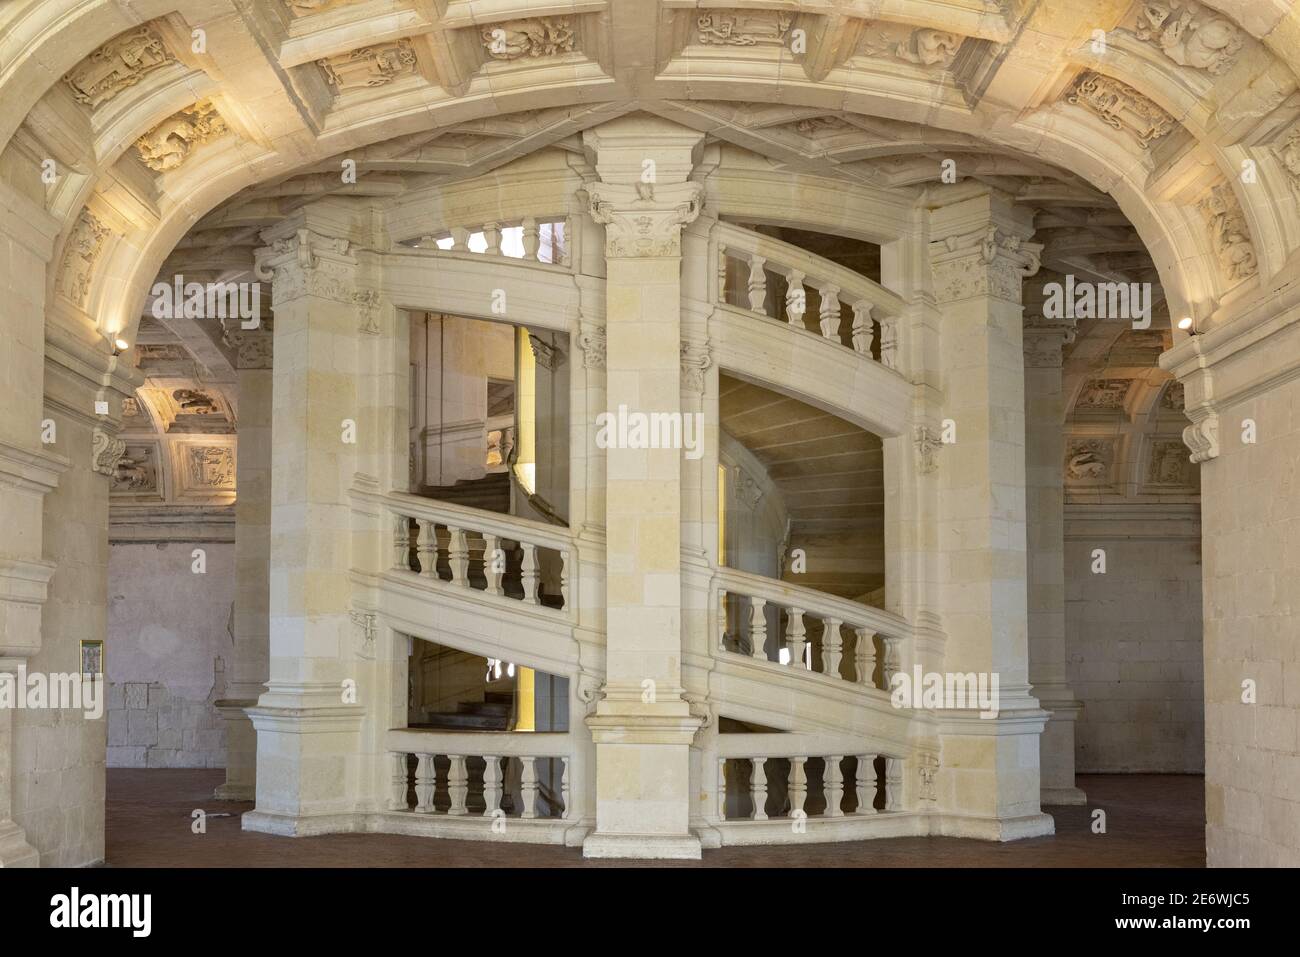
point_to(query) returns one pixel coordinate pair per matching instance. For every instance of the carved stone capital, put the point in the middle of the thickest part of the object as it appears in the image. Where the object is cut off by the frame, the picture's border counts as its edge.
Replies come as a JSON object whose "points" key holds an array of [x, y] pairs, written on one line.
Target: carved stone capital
{"points": [[308, 263], [695, 359], [644, 220], [984, 262], [1043, 341], [254, 348], [546, 355], [1202, 437], [592, 342], [928, 444], [105, 452]]}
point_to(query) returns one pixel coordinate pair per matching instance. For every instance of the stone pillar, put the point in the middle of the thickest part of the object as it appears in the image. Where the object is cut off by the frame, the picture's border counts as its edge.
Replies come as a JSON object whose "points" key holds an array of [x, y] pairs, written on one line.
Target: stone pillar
{"points": [[1242, 391], [308, 720], [252, 560], [1045, 507], [642, 726], [989, 774], [29, 470]]}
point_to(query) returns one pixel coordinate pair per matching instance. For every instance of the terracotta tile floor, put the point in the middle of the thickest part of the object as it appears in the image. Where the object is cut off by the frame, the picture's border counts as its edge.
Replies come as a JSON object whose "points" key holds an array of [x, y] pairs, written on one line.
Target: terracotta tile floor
{"points": [[1152, 821]]}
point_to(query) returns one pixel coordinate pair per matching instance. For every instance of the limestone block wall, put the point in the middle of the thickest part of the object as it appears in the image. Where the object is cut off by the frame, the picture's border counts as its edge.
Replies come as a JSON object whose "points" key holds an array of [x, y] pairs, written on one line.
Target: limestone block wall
{"points": [[168, 647], [1133, 640]]}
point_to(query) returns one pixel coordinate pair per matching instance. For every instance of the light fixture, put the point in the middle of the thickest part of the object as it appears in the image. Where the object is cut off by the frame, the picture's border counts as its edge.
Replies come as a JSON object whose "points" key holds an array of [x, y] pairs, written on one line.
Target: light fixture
{"points": [[120, 345], [1185, 323]]}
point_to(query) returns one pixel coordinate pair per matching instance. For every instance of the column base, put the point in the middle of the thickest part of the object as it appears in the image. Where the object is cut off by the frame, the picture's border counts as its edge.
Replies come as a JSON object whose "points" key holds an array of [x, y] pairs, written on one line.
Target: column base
{"points": [[1062, 796], [241, 752], [995, 829], [646, 847], [291, 825], [14, 849]]}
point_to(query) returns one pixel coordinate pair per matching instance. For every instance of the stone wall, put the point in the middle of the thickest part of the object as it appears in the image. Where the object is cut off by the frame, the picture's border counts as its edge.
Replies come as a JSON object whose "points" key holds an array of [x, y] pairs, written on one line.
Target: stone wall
{"points": [[168, 644], [1133, 638]]}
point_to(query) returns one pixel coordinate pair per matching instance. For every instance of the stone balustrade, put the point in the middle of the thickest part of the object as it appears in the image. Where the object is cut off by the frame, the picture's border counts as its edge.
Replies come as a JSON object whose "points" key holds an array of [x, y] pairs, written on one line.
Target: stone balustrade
{"points": [[747, 625], [871, 332], [524, 776], [761, 780], [542, 239], [466, 548]]}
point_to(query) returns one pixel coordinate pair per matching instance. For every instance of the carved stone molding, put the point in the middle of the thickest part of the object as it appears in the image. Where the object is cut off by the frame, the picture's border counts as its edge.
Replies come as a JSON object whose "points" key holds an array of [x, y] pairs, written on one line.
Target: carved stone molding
{"points": [[1043, 341], [928, 444], [368, 302], [644, 221], [592, 342], [922, 47], [105, 452], [1121, 107], [742, 28], [1202, 437], [308, 263], [985, 262], [1229, 233], [79, 254], [1190, 34], [547, 355], [254, 348], [119, 64], [927, 775], [171, 142], [210, 467], [1288, 152], [530, 38], [369, 66], [695, 360], [1088, 461], [747, 491], [366, 631]]}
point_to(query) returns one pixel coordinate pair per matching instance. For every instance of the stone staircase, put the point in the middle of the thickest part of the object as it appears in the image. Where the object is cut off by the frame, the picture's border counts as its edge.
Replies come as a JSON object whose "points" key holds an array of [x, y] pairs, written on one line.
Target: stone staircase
{"points": [[491, 492]]}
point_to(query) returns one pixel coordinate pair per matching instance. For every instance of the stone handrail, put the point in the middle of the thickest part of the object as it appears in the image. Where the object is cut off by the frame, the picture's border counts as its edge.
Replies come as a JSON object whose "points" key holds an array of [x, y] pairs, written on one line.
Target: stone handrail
{"points": [[532, 239], [752, 595], [875, 309], [473, 548], [778, 782], [508, 782]]}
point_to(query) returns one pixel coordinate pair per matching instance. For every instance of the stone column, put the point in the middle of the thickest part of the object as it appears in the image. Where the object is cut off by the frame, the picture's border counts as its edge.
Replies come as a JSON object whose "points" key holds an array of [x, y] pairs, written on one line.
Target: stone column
{"points": [[642, 726], [308, 720], [1045, 507], [988, 782], [1242, 390], [29, 470], [252, 560]]}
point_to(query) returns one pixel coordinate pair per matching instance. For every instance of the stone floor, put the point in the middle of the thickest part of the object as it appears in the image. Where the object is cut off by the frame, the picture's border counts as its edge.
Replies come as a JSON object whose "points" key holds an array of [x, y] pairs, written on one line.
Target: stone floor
{"points": [[1151, 821]]}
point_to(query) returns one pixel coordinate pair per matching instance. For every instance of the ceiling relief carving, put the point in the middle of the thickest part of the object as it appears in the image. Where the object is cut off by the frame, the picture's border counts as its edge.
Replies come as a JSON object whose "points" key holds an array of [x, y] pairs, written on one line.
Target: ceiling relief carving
{"points": [[1229, 233], [209, 467], [1288, 152], [1173, 397], [137, 472], [1190, 34], [172, 142], [742, 28], [1170, 466], [902, 42], [530, 39], [1121, 107], [302, 8], [118, 65], [1103, 395], [1088, 460], [369, 66], [79, 255]]}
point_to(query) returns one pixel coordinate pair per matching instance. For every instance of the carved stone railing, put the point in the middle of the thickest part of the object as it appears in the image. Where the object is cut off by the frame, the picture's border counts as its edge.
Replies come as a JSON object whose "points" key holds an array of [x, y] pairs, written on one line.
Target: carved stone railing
{"points": [[762, 777], [486, 776], [768, 620], [533, 239], [452, 546], [872, 331]]}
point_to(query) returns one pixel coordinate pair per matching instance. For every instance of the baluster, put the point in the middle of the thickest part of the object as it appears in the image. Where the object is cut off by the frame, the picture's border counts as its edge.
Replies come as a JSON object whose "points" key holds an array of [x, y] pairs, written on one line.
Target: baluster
{"points": [[889, 343], [427, 548], [893, 784], [833, 785], [491, 784], [458, 557], [757, 284], [426, 781], [758, 788], [863, 328], [564, 785], [492, 233], [892, 661], [864, 779], [459, 238], [564, 578], [528, 573], [864, 656], [397, 792], [722, 620], [493, 575], [722, 275], [528, 785], [794, 637], [798, 786], [796, 299], [457, 784], [722, 789], [757, 628], [402, 544], [832, 647], [532, 241], [830, 312]]}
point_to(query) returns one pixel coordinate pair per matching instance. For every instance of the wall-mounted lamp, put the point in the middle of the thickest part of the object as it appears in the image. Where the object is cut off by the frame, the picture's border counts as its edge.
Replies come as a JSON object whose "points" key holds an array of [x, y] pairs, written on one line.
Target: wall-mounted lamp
{"points": [[120, 345], [1187, 325]]}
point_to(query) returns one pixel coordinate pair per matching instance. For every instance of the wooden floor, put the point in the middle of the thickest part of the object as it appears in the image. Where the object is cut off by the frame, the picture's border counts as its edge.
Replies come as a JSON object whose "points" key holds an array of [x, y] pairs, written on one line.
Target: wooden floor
{"points": [[1151, 821]]}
